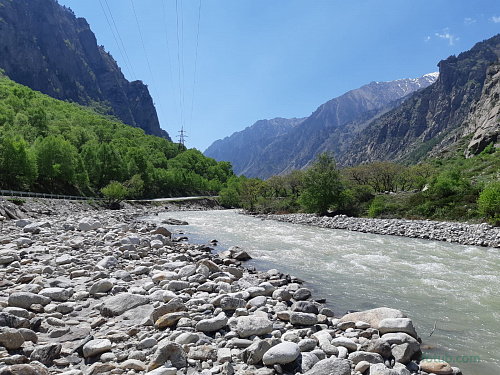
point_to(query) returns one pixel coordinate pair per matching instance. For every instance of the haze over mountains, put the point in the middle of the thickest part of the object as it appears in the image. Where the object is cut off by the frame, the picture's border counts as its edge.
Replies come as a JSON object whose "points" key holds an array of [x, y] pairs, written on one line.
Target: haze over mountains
{"points": [[46, 47], [404, 120]]}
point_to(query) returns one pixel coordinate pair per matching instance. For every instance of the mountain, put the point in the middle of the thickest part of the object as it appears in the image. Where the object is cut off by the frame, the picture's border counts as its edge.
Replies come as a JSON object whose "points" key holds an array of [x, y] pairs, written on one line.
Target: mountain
{"points": [[46, 47], [246, 146], [458, 105], [483, 122], [332, 127]]}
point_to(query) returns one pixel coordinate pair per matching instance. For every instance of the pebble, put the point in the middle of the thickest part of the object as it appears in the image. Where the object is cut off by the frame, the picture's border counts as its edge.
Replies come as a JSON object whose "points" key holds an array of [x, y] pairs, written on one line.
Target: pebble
{"points": [[90, 291], [462, 233]]}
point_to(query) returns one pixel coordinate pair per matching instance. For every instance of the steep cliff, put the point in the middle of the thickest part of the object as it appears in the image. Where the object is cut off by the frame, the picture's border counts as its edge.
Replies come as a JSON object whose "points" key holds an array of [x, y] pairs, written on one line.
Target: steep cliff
{"points": [[484, 117], [45, 47], [433, 118]]}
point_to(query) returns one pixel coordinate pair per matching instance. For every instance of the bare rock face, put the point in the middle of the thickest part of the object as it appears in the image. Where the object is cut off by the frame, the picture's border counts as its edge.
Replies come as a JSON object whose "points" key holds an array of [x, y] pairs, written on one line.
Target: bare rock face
{"points": [[484, 118], [47, 48]]}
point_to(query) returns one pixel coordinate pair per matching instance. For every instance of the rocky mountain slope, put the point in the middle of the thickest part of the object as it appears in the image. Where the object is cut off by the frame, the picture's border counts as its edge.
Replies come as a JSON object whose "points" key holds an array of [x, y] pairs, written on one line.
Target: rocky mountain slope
{"points": [[45, 47], [483, 122], [246, 146], [440, 115], [332, 127]]}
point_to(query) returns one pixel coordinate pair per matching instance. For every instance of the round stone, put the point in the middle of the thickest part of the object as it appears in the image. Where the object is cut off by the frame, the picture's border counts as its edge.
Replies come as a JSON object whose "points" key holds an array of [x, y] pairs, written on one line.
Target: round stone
{"points": [[283, 353]]}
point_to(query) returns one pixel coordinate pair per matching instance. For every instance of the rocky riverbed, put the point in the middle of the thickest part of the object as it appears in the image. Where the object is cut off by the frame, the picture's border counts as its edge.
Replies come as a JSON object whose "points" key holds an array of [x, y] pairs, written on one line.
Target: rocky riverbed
{"points": [[88, 291], [462, 233]]}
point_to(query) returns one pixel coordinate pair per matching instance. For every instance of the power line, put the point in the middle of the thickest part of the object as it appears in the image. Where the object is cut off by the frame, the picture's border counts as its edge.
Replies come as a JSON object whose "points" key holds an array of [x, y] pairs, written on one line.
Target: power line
{"points": [[121, 41], [182, 61], [177, 108], [195, 64], [179, 62], [114, 36], [147, 59]]}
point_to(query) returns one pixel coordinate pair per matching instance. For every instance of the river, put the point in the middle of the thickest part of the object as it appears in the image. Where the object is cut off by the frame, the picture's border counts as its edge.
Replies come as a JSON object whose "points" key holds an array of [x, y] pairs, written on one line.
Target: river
{"points": [[454, 287]]}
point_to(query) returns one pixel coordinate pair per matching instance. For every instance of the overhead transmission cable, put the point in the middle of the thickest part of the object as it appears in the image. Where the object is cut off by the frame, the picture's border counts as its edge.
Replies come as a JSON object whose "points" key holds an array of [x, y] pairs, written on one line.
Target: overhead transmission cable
{"points": [[127, 62], [179, 69], [121, 40], [195, 64], [178, 104], [147, 60]]}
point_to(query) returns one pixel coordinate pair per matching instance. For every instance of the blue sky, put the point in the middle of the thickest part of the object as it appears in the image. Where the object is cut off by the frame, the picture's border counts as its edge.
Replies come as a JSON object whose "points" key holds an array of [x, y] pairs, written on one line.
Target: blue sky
{"points": [[220, 68]]}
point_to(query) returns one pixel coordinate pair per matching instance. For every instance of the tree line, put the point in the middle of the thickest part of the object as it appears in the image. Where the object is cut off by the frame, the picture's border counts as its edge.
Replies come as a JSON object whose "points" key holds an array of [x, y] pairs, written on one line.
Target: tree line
{"points": [[47, 145], [437, 190]]}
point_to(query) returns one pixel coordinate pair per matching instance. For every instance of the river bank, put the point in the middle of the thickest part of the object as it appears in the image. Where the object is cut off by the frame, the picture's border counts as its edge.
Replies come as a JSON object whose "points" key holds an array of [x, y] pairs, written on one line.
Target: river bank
{"points": [[461, 233], [89, 291]]}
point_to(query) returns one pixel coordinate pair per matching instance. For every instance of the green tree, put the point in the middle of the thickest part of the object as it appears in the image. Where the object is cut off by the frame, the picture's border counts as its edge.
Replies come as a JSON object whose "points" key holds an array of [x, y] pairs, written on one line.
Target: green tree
{"points": [[18, 169], [322, 185], [229, 197], [488, 203], [114, 192], [134, 186], [251, 190], [295, 182], [57, 161]]}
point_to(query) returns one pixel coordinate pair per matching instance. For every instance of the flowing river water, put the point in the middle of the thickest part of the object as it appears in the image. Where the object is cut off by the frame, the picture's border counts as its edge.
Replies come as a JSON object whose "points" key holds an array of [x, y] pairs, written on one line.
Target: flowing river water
{"points": [[453, 287]]}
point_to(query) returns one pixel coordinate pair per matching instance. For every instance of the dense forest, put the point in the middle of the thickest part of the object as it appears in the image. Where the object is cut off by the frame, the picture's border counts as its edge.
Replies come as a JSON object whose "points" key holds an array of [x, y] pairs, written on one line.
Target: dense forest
{"points": [[47, 145]]}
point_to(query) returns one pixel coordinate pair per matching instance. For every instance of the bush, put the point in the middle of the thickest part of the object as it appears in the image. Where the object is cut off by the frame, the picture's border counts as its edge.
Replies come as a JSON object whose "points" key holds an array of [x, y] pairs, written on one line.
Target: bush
{"points": [[377, 207], [229, 198], [114, 193], [489, 203]]}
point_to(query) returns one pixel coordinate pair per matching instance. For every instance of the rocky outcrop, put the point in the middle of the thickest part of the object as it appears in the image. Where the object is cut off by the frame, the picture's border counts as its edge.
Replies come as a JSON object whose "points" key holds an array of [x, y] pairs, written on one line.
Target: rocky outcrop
{"points": [[432, 119], [47, 48], [484, 118]]}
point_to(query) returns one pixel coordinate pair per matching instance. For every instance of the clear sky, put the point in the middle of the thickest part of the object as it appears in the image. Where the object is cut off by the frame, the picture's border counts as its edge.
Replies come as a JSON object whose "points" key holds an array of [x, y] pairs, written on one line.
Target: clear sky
{"points": [[218, 66]]}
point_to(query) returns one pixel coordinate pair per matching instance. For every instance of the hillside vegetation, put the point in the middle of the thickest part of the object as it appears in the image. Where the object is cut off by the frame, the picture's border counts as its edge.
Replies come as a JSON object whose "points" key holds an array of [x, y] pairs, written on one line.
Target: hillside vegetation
{"points": [[48, 145], [450, 188]]}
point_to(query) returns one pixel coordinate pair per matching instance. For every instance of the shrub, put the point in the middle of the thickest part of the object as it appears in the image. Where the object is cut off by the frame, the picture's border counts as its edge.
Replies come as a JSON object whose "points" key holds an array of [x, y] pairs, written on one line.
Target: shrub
{"points": [[489, 203], [377, 207], [114, 193]]}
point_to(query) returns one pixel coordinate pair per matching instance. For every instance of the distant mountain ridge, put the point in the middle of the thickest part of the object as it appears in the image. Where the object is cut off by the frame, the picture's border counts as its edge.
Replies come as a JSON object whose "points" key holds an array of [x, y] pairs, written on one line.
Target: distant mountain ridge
{"points": [[45, 47], [246, 146], [438, 116], [325, 129]]}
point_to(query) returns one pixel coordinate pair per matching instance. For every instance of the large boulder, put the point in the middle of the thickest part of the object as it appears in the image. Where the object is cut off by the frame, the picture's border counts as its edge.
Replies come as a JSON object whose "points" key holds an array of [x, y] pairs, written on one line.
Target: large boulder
{"points": [[168, 351], [436, 366], [117, 305], [25, 369], [373, 316], [89, 223], [282, 353], [11, 338], [212, 324], [302, 319], [9, 256], [391, 325], [95, 347], [26, 299], [331, 366], [246, 326], [46, 353], [254, 353]]}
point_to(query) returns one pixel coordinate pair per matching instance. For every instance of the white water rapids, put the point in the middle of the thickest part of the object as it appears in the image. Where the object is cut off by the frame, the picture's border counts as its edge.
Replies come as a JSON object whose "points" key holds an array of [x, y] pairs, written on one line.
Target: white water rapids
{"points": [[455, 287]]}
